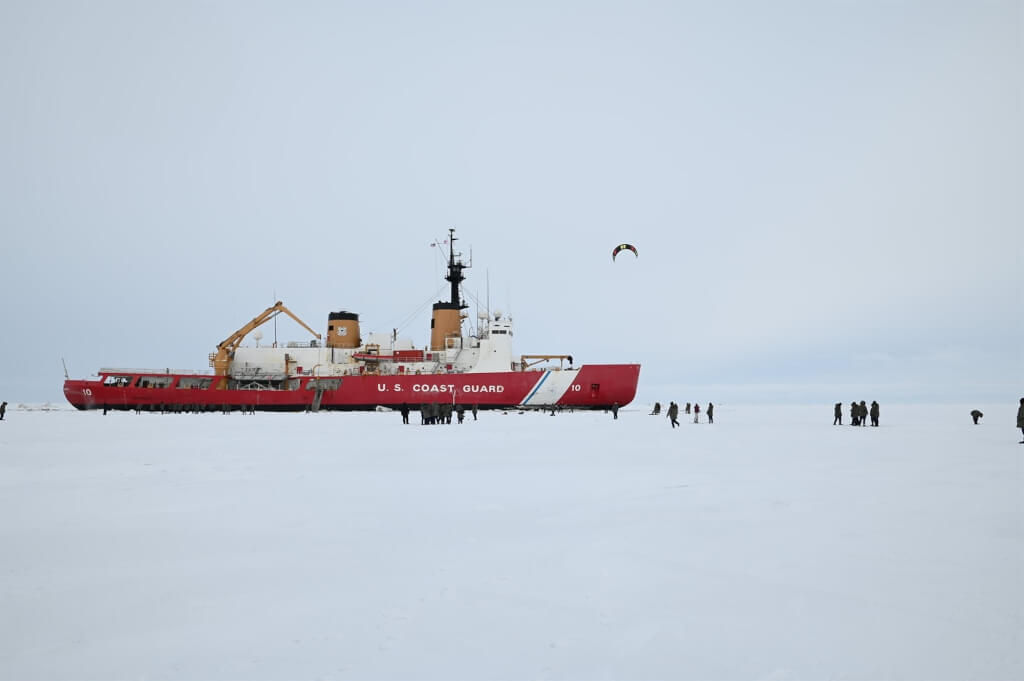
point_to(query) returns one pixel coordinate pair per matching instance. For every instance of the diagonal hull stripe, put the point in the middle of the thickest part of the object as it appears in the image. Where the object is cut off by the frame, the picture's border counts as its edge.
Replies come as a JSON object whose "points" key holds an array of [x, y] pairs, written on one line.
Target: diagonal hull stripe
{"points": [[537, 387]]}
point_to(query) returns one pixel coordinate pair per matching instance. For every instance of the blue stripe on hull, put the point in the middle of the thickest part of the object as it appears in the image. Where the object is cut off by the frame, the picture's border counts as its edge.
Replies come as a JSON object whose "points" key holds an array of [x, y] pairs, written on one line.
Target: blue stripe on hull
{"points": [[537, 387]]}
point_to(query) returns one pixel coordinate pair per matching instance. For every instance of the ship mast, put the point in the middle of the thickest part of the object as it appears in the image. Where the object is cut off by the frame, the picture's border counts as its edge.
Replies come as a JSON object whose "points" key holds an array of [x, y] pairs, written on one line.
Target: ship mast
{"points": [[455, 275]]}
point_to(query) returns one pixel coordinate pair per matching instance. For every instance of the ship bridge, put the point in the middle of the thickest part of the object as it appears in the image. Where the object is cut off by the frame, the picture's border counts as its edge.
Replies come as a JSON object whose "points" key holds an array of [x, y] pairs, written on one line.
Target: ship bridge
{"points": [[495, 351]]}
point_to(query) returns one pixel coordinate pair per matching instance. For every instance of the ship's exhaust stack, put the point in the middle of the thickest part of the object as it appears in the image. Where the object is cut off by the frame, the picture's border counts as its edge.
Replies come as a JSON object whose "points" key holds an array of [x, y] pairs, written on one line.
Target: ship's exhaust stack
{"points": [[343, 330], [446, 323]]}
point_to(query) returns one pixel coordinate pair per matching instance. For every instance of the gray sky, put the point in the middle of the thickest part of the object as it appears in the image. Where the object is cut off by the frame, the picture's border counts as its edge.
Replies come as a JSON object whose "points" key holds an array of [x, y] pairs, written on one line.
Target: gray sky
{"points": [[827, 197]]}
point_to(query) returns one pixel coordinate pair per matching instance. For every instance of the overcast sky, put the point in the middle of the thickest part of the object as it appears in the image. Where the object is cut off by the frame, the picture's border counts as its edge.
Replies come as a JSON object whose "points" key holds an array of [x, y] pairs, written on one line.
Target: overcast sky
{"points": [[827, 197]]}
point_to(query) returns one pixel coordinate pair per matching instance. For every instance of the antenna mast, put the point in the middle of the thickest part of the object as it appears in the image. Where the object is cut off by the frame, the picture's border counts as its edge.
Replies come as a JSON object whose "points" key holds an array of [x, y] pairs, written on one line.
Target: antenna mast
{"points": [[455, 275]]}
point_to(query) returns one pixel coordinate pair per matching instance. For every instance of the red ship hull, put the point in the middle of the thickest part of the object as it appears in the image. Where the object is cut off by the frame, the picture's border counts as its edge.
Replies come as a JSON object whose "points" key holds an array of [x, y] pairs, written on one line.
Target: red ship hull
{"points": [[594, 386]]}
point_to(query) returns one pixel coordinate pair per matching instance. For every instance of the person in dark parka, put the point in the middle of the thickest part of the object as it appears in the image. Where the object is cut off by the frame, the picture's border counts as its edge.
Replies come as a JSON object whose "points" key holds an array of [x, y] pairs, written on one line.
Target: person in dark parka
{"points": [[1020, 418], [673, 413], [863, 415], [657, 409], [854, 414], [874, 413], [838, 414], [975, 414], [3, 410], [405, 412], [615, 410], [711, 413]]}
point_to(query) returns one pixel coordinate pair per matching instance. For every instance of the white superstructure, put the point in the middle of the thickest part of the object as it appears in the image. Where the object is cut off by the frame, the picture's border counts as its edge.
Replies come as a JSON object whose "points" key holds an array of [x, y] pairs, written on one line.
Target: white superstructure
{"points": [[489, 350]]}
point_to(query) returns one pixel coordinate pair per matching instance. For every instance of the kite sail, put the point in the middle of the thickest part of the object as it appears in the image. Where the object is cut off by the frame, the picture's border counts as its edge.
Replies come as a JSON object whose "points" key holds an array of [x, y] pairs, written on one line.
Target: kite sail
{"points": [[624, 247]]}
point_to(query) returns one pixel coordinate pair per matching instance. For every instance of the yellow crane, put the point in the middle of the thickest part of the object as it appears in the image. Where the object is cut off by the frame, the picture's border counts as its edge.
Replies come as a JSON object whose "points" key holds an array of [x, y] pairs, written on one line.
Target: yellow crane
{"points": [[539, 359], [221, 360]]}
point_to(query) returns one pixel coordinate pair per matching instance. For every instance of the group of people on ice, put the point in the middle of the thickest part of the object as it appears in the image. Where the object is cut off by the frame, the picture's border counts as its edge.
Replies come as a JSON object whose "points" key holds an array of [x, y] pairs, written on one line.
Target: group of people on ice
{"points": [[433, 413], [859, 413], [673, 412]]}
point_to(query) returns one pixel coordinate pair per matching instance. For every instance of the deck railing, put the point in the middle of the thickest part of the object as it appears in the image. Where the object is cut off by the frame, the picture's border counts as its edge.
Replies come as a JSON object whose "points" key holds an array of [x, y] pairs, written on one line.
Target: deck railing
{"points": [[158, 372]]}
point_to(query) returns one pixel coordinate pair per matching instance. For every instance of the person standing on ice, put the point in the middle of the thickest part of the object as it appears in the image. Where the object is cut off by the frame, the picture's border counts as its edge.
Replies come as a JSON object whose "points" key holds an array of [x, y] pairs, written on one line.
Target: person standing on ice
{"points": [[657, 409], [474, 412], [405, 412], [874, 413], [975, 414], [1020, 418], [687, 407], [673, 413], [711, 413], [696, 413], [863, 415], [854, 413], [615, 410], [838, 420], [3, 410]]}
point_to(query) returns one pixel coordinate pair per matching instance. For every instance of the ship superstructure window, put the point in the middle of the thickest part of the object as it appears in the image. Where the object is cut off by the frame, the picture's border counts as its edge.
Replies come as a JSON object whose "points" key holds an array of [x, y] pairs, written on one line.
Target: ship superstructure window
{"points": [[118, 381], [154, 381]]}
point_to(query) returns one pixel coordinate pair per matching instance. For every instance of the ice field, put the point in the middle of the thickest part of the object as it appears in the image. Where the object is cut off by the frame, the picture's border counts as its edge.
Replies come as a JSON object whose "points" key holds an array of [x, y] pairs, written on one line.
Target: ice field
{"points": [[770, 545]]}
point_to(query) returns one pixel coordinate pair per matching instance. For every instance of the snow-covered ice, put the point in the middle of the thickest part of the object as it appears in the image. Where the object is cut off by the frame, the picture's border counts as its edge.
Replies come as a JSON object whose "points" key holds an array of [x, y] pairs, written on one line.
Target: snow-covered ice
{"points": [[770, 545]]}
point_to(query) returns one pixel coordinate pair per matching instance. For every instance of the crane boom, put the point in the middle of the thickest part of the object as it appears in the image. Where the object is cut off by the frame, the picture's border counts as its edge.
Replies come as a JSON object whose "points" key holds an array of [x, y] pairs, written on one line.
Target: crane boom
{"points": [[221, 360], [538, 359]]}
